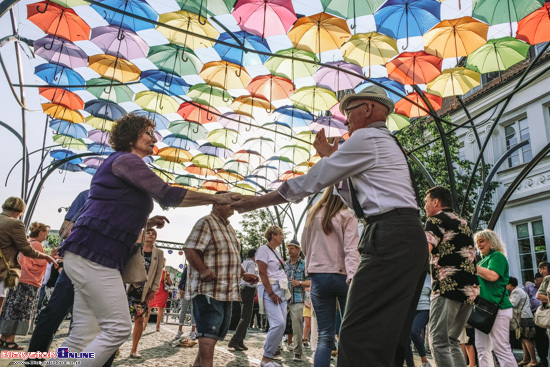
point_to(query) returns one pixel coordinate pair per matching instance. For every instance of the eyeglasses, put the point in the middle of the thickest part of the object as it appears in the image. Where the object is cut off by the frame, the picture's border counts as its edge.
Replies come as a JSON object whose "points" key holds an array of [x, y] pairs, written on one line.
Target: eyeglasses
{"points": [[151, 134], [349, 109]]}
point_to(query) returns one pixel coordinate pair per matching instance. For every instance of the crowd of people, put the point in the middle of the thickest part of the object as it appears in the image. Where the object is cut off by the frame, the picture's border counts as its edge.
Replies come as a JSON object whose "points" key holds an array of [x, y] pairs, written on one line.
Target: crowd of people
{"points": [[363, 296]]}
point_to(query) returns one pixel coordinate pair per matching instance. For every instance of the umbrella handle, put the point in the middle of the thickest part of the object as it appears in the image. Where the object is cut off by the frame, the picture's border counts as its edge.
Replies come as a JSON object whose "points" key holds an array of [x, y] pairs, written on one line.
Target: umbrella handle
{"points": [[270, 108], [209, 116], [45, 8], [120, 35], [248, 127], [110, 88], [239, 73], [406, 45], [223, 97], [205, 21], [184, 59], [50, 46], [196, 131]]}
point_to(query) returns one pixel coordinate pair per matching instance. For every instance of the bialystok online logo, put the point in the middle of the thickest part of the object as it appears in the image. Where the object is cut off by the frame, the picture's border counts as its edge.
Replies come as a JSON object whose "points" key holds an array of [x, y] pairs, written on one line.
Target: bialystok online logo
{"points": [[62, 353]]}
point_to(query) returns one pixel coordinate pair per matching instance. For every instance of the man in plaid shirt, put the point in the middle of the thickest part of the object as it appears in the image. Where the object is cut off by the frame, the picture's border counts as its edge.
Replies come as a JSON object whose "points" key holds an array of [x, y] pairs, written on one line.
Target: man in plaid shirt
{"points": [[213, 253]]}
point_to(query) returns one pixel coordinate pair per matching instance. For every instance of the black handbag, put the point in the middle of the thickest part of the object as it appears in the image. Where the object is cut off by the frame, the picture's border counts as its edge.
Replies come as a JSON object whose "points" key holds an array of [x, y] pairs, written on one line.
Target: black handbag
{"points": [[484, 314]]}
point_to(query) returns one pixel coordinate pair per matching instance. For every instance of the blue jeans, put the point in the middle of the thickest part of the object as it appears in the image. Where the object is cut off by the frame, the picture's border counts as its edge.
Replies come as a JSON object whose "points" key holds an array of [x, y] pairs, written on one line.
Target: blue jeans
{"points": [[419, 323], [212, 317], [326, 289]]}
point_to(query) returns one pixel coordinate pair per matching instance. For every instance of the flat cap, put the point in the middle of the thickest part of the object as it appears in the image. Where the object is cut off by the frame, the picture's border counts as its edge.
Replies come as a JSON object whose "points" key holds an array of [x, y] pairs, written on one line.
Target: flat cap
{"points": [[372, 92]]}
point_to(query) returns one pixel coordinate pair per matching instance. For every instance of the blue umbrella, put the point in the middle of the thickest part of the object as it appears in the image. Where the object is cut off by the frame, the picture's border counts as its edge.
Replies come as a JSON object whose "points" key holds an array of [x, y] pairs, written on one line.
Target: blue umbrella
{"points": [[68, 128], [55, 75], [161, 121], [101, 149], [70, 167], [407, 18], [180, 141], [137, 7], [218, 151], [238, 56], [90, 170], [104, 109], [292, 116], [164, 82], [395, 90], [60, 154]]}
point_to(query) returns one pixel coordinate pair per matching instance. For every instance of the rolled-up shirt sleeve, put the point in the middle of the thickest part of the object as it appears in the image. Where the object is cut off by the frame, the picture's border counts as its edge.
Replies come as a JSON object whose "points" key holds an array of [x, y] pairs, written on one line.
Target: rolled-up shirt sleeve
{"points": [[133, 170]]}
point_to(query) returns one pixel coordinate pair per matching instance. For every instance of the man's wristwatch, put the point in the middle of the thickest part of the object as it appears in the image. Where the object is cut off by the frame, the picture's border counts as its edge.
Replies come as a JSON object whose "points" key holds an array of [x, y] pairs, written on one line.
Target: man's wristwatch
{"points": [[300, 282]]}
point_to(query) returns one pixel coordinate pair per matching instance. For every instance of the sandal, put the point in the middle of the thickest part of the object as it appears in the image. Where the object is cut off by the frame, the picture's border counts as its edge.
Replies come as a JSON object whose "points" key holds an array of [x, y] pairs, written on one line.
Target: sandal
{"points": [[135, 355], [11, 346]]}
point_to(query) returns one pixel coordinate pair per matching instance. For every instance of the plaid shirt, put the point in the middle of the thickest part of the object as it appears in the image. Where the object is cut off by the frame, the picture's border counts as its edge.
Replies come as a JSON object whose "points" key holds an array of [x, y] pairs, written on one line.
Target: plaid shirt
{"points": [[217, 242], [296, 271]]}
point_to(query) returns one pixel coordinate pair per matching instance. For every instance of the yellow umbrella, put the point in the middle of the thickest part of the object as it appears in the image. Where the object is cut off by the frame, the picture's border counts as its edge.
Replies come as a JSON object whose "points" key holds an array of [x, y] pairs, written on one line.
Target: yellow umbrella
{"points": [[168, 165], [454, 82], [69, 142], [318, 33], [314, 99], [304, 136], [244, 189], [226, 137], [100, 123], [189, 22], [396, 122], [62, 113], [165, 176], [367, 49], [455, 37], [229, 176], [112, 67], [246, 104], [175, 155], [225, 75], [156, 102], [207, 161]]}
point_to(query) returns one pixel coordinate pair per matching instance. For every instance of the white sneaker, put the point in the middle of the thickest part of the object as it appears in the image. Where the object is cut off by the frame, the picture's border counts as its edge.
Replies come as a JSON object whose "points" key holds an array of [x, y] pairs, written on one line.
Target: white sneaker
{"points": [[178, 334], [426, 364], [192, 335], [269, 364]]}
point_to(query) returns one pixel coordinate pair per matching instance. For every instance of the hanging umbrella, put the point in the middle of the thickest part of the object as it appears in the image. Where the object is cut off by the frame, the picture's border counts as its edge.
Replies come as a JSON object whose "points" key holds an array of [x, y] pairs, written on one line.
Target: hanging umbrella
{"points": [[137, 7], [70, 3], [61, 52], [338, 79], [260, 144], [497, 54], [233, 169], [351, 9], [69, 142], [292, 67], [99, 136], [264, 18], [304, 139], [503, 11], [104, 89], [247, 104], [224, 137], [318, 33], [295, 153], [393, 89], [454, 82], [104, 109], [455, 37], [271, 87], [250, 157], [404, 107], [191, 23], [414, 68], [407, 18], [100, 123], [193, 130], [175, 155], [332, 126], [215, 185], [69, 167], [58, 21], [216, 149], [225, 75], [73, 130], [59, 154], [208, 95], [188, 180], [277, 131], [228, 175], [335, 110], [116, 68], [207, 161], [168, 165], [163, 82], [289, 175], [101, 149], [199, 113], [62, 97], [244, 189], [93, 162], [204, 7], [175, 59], [368, 49], [201, 171], [180, 142], [164, 176], [236, 55], [58, 75], [62, 113], [156, 102], [160, 121], [396, 122], [535, 27], [292, 116], [314, 99], [117, 41], [238, 122]]}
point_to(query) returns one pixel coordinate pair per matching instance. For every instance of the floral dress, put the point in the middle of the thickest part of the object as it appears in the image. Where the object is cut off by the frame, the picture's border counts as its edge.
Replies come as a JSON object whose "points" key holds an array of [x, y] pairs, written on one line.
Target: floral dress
{"points": [[135, 291]]}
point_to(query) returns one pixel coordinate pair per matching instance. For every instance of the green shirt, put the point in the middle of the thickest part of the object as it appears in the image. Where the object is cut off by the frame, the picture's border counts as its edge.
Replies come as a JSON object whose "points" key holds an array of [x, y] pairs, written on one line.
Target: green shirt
{"points": [[493, 291]]}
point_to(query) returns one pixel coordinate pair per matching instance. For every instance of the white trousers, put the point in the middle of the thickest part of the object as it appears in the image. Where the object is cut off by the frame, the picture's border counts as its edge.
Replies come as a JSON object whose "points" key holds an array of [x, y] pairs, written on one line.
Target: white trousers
{"points": [[497, 341]]}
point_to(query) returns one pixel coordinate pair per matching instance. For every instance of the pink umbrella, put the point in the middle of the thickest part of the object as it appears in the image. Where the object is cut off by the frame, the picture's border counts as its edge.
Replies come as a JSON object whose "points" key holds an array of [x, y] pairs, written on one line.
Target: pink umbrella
{"points": [[335, 110], [93, 162], [60, 51], [336, 80], [253, 16], [114, 40], [99, 136], [333, 127]]}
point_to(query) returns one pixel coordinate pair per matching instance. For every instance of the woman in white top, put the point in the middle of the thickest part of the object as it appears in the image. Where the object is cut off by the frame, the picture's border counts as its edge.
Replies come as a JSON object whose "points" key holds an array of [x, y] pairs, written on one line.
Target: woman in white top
{"points": [[522, 308], [272, 292]]}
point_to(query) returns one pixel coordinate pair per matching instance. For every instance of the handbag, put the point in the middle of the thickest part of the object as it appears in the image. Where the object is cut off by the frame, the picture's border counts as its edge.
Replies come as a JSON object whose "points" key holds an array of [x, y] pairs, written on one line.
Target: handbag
{"points": [[134, 269], [9, 278], [516, 317], [484, 314], [542, 316]]}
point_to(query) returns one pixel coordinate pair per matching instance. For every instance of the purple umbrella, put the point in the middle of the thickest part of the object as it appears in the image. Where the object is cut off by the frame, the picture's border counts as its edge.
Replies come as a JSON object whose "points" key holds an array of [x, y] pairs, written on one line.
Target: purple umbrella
{"points": [[99, 136], [333, 127], [60, 51], [337, 80], [114, 40], [93, 162]]}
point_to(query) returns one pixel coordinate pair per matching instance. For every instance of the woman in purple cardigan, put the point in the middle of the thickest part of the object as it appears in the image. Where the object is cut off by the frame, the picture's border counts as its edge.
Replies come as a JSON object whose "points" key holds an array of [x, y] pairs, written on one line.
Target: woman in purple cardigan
{"points": [[120, 200]]}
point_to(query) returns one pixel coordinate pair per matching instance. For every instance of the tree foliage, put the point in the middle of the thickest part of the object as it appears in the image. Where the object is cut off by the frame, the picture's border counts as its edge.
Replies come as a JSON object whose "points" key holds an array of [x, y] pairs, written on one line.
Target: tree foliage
{"points": [[253, 226]]}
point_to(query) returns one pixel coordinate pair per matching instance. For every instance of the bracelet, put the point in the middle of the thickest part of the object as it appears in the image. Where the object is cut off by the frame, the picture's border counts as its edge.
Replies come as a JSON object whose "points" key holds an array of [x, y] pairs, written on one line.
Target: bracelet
{"points": [[270, 294]]}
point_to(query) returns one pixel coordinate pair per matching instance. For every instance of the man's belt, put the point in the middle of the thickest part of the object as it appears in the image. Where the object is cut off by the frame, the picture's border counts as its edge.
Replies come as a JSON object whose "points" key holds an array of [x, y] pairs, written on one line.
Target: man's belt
{"points": [[392, 213]]}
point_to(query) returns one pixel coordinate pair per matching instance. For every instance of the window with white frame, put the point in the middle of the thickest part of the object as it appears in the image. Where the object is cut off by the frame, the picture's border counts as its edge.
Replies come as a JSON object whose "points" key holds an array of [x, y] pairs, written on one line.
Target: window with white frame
{"points": [[515, 133], [532, 247]]}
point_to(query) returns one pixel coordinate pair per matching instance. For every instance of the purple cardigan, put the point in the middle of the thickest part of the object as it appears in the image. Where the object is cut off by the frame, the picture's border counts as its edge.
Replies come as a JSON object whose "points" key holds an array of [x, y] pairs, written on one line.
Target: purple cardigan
{"points": [[118, 206]]}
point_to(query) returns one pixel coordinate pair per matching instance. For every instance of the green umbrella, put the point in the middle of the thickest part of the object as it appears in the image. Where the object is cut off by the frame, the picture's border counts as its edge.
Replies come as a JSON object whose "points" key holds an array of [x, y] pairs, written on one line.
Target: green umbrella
{"points": [[351, 9], [207, 161], [208, 95], [169, 165], [396, 122], [69, 142], [497, 55], [295, 153], [212, 7], [101, 88], [290, 68], [175, 59], [504, 11], [70, 3], [189, 180], [193, 130]]}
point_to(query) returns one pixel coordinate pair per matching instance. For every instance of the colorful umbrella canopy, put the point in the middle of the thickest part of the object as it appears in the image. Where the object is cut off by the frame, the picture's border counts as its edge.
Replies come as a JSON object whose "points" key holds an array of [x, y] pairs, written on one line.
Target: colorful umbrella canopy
{"points": [[292, 116], [414, 68], [454, 82], [224, 137], [104, 109], [201, 171], [394, 90], [161, 122], [115, 40], [215, 185], [239, 122], [295, 153], [69, 142], [175, 59], [207, 161], [209, 95], [76, 131], [180, 142], [455, 37], [260, 144], [407, 18], [225, 75], [104, 89], [58, 75], [137, 7], [228, 175], [246, 105], [396, 122], [101, 149], [277, 131], [70, 3], [99, 123], [204, 7], [175, 155], [163, 82], [367, 49], [188, 180], [318, 33], [58, 21], [99, 136], [168, 165], [199, 113], [314, 99], [298, 64], [497, 54], [535, 28], [215, 149], [192, 130], [59, 154], [264, 18], [156, 102], [345, 76], [271, 87], [236, 55], [62, 97], [61, 52], [250, 157], [332, 126], [503, 11], [192, 24], [404, 107], [112, 67], [349, 9]]}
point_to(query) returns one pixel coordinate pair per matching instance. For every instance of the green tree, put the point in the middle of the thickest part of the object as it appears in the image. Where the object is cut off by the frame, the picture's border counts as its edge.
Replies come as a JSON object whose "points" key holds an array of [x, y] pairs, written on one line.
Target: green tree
{"points": [[253, 226]]}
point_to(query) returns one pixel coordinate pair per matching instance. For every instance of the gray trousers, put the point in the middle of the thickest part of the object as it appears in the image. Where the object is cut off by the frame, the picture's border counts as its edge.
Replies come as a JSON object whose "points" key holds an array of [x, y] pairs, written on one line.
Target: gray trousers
{"points": [[447, 320], [296, 311]]}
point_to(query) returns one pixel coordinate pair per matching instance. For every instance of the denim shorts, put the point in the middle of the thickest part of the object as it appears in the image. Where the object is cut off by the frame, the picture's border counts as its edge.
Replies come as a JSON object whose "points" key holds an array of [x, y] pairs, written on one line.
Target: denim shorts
{"points": [[212, 317]]}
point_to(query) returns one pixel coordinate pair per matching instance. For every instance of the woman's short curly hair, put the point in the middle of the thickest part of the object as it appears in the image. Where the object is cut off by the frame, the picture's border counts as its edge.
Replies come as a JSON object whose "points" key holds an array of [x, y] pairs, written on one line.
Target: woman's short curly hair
{"points": [[36, 228], [272, 230], [127, 130]]}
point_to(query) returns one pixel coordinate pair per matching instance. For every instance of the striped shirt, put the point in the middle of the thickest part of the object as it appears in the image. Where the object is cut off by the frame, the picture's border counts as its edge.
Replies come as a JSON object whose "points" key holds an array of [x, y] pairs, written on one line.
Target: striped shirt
{"points": [[216, 241]]}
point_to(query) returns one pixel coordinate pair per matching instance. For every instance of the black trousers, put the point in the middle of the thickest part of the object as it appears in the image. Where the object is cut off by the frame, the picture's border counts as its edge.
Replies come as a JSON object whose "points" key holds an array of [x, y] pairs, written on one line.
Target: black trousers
{"points": [[247, 297], [384, 293], [541, 343]]}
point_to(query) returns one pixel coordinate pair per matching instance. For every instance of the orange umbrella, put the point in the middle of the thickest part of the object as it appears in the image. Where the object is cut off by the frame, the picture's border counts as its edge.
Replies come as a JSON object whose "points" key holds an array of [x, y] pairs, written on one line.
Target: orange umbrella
{"points": [[112, 67], [455, 37], [62, 97], [535, 28], [62, 113], [58, 21], [215, 185], [404, 107], [225, 75], [414, 68], [271, 87], [318, 33], [245, 105], [196, 112], [201, 171], [176, 155]]}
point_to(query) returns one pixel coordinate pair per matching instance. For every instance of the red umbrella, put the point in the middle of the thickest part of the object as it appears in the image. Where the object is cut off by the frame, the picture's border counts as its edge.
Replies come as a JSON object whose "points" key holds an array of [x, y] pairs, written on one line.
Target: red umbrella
{"points": [[196, 170], [271, 87], [58, 21], [198, 113], [404, 107], [414, 68], [265, 17], [62, 97], [535, 28], [215, 185]]}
